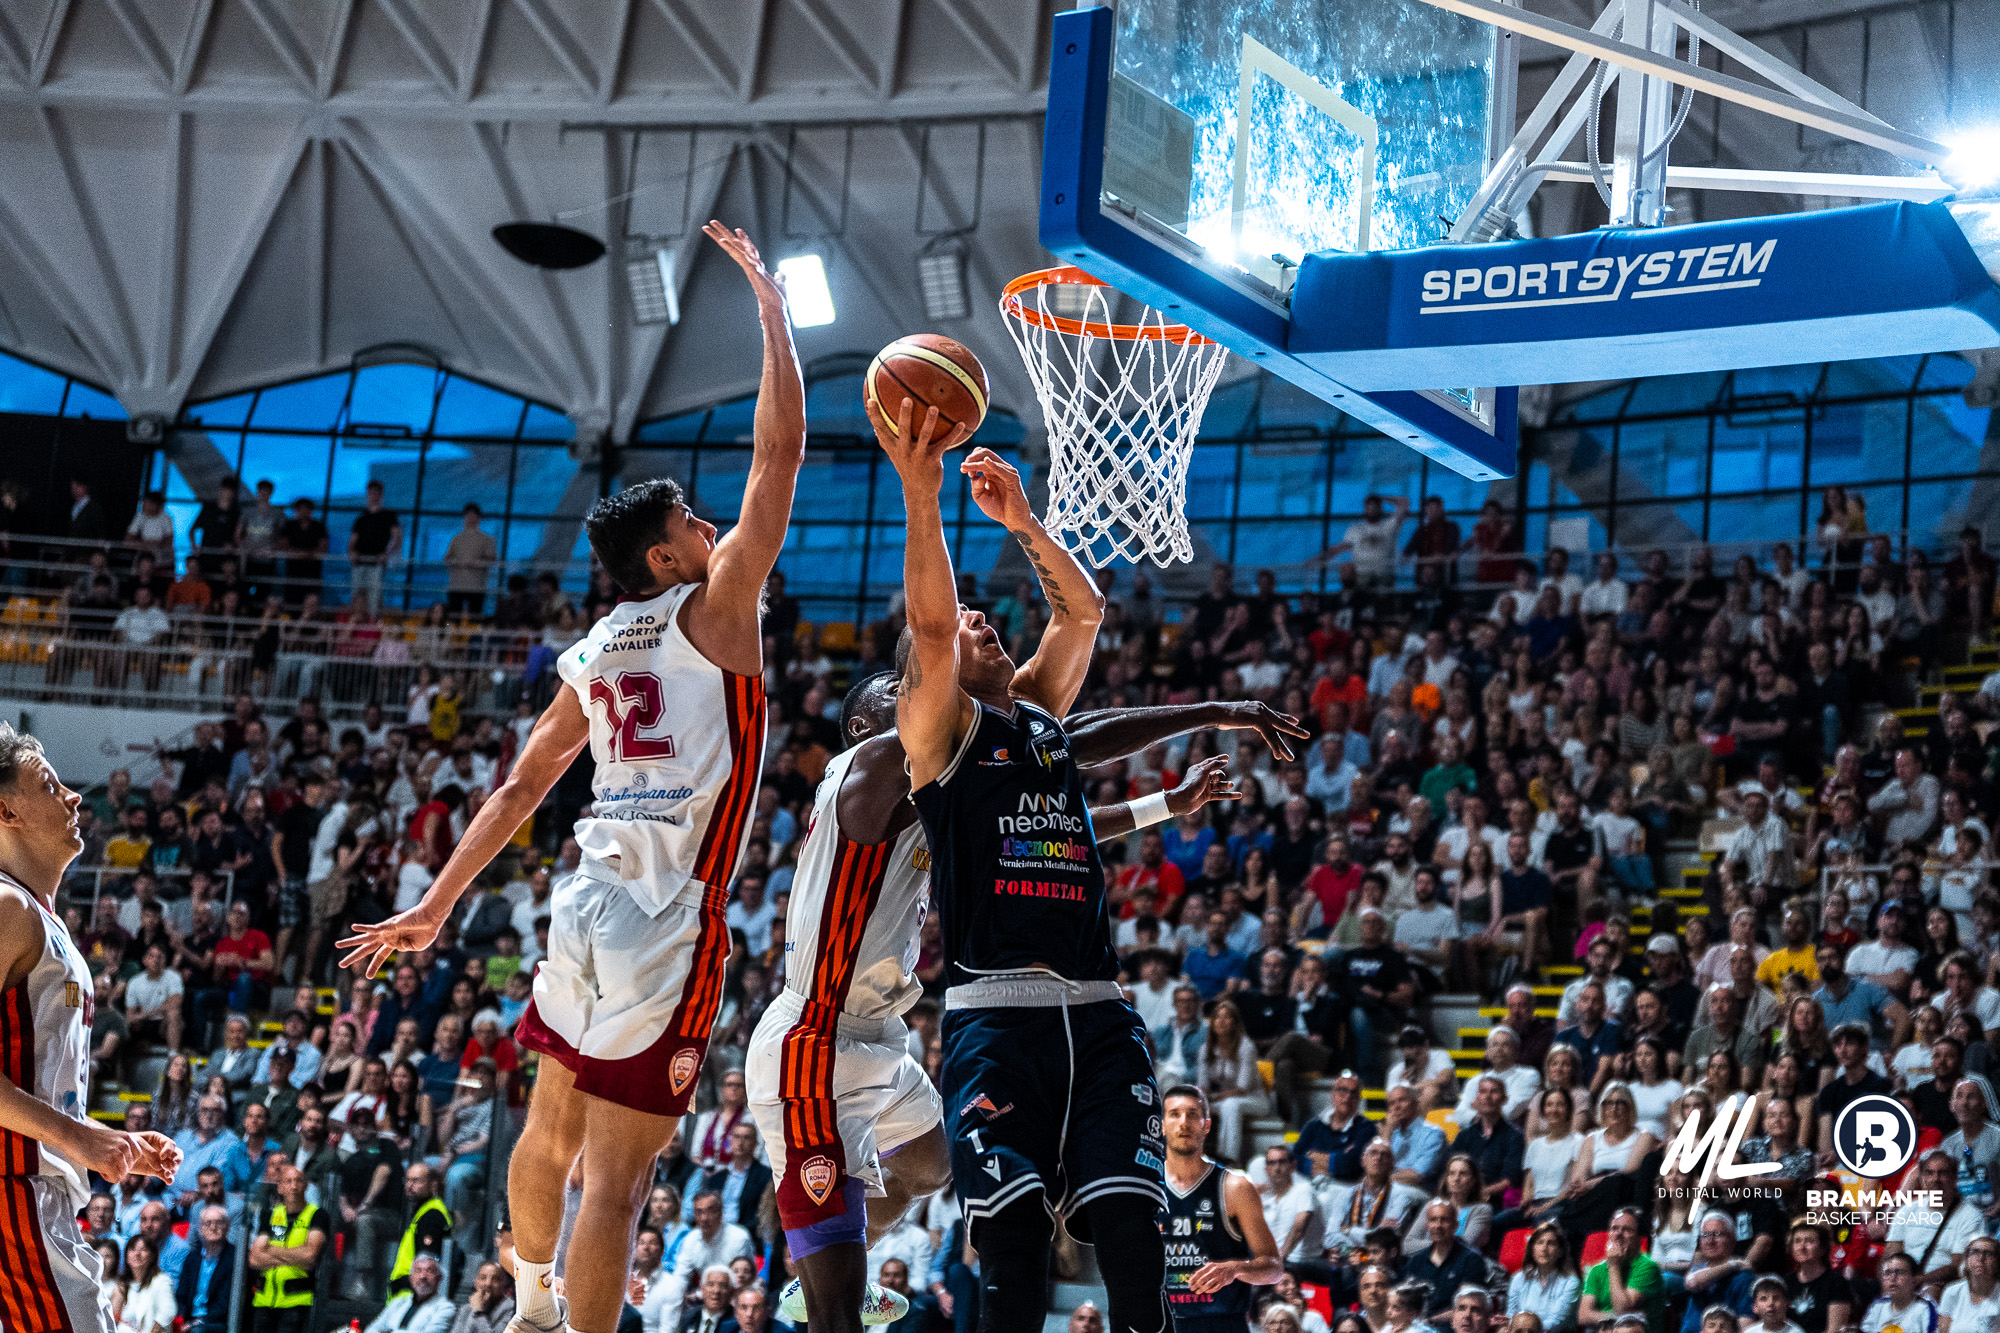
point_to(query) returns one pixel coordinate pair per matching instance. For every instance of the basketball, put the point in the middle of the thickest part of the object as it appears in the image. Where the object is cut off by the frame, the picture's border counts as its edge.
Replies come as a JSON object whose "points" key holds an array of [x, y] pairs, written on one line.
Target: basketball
{"points": [[933, 371]]}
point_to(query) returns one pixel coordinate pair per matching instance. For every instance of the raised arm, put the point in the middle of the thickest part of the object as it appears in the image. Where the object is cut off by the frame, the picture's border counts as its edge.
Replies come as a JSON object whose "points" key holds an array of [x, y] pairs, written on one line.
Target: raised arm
{"points": [[1207, 781], [1105, 734], [554, 743], [1051, 678], [725, 619], [932, 711]]}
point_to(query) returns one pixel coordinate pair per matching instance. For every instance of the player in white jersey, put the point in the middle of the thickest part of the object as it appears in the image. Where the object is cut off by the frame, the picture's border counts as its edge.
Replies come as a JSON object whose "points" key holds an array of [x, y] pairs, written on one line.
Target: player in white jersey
{"points": [[668, 693], [843, 1109], [48, 1143]]}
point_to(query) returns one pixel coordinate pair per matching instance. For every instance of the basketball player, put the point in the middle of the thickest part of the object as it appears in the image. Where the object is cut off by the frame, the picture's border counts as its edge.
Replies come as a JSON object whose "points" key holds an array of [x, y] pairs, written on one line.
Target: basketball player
{"points": [[668, 692], [846, 1111], [1035, 1024], [1218, 1244], [48, 1145]]}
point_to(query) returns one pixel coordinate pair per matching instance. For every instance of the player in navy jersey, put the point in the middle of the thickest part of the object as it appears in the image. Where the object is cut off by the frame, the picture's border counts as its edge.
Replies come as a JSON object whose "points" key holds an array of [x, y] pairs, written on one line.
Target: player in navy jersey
{"points": [[1049, 1098], [1218, 1244]]}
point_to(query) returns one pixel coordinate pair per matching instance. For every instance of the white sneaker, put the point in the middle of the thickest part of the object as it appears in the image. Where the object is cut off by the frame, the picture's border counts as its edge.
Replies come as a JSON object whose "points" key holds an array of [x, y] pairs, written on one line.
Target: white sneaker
{"points": [[879, 1305], [521, 1324]]}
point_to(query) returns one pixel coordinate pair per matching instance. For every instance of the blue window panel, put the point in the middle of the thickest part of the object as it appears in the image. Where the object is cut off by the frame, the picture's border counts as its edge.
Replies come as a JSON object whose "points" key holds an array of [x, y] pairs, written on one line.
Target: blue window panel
{"points": [[397, 395], [1603, 405], [233, 411], [1373, 465], [976, 549], [1937, 512], [1771, 382], [360, 459], [1284, 405], [1674, 393], [294, 464], [1750, 523], [1461, 495], [1641, 527], [1946, 372], [1757, 454], [1211, 484], [683, 429], [542, 478], [1949, 435], [1001, 430], [176, 485], [1855, 379], [312, 404], [84, 401], [833, 407], [718, 487], [1857, 442], [824, 560], [456, 475], [522, 540], [833, 483], [25, 387], [1260, 544], [470, 408], [732, 422], [544, 423], [642, 464], [1657, 459], [1283, 479], [1229, 410]]}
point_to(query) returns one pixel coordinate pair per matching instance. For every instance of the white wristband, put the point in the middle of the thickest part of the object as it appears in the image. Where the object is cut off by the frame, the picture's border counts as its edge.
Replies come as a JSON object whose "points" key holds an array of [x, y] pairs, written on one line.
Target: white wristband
{"points": [[1149, 810]]}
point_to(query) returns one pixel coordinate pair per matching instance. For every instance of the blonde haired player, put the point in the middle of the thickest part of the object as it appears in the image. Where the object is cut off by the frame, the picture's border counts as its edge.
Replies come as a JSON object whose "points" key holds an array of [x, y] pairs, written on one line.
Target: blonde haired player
{"points": [[48, 1145], [668, 691]]}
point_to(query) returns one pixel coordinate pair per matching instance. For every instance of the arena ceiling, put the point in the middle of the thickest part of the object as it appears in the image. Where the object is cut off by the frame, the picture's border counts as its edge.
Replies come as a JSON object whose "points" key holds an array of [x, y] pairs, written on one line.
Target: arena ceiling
{"points": [[200, 196]]}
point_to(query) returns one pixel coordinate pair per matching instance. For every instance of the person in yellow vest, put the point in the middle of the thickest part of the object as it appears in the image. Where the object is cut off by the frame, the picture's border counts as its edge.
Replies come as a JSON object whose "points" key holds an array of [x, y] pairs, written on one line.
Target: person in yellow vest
{"points": [[290, 1237], [430, 1224]]}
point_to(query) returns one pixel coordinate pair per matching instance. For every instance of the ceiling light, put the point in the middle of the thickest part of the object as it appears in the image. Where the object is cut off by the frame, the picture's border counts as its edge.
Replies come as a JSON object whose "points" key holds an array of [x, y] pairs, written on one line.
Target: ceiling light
{"points": [[651, 278], [806, 291], [941, 279], [1974, 164], [548, 244]]}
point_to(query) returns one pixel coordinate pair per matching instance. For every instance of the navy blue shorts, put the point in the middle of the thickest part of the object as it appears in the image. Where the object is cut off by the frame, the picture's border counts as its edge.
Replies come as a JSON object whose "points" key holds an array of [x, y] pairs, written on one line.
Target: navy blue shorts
{"points": [[1060, 1101]]}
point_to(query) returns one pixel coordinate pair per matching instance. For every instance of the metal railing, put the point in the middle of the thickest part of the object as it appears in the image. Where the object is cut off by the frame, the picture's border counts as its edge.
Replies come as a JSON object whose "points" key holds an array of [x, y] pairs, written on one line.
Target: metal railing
{"points": [[98, 875]]}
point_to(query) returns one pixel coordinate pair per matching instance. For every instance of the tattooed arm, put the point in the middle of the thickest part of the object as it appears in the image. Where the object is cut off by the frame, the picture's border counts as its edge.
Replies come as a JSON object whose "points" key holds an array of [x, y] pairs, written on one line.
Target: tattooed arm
{"points": [[1051, 678]]}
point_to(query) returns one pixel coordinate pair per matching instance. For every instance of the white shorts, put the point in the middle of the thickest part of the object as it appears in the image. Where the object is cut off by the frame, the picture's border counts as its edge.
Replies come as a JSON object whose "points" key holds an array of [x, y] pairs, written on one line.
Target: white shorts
{"points": [[832, 1104], [48, 1274], [625, 1000]]}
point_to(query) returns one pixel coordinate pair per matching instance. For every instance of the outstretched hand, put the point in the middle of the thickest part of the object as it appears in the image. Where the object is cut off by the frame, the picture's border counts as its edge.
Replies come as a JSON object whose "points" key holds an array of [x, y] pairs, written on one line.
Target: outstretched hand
{"points": [[1274, 727], [1207, 781], [736, 243], [996, 488], [918, 457], [406, 932]]}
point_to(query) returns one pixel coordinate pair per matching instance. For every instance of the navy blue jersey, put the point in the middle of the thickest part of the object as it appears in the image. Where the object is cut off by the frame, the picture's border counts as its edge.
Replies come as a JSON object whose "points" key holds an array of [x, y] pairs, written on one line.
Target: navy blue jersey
{"points": [[1015, 874], [1199, 1231]]}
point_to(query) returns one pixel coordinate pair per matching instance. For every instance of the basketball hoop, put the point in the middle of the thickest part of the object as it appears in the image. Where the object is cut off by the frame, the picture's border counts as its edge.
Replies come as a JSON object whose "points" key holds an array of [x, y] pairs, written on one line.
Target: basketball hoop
{"points": [[1122, 422]]}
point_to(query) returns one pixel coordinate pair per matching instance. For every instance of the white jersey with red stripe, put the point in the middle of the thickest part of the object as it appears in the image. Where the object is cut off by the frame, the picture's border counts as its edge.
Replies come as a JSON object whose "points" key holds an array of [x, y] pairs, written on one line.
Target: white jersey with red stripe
{"points": [[45, 1046], [679, 748], [857, 912]]}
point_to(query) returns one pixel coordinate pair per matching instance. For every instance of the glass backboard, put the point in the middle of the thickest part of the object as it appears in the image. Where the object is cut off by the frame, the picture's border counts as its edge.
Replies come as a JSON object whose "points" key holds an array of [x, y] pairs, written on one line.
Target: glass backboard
{"points": [[1368, 124]]}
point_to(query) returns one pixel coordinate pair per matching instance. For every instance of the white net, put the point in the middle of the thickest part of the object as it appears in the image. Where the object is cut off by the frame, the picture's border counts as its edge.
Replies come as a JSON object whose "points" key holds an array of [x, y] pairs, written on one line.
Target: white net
{"points": [[1123, 404]]}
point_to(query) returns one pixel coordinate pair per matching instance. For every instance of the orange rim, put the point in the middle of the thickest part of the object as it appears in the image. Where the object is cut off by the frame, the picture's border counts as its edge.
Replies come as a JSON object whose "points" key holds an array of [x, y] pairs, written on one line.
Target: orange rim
{"points": [[1011, 303]]}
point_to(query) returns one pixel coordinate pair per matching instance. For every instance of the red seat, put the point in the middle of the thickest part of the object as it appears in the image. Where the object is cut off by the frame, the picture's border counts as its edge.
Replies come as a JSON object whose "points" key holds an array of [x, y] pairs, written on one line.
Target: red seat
{"points": [[181, 1230], [1593, 1248], [1318, 1298], [1514, 1249]]}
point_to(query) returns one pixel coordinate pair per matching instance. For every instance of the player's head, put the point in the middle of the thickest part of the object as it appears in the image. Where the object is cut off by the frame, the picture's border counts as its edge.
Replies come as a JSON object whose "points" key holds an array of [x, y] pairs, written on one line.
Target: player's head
{"points": [[1184, 1119], [648, 539], [983, 665], [37, 813], [869, 708]]}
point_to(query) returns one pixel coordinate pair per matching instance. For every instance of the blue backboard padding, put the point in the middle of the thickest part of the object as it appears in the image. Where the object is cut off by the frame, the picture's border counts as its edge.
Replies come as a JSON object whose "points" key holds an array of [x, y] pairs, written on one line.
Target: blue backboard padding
{"points": [[1077, 231], [1887, 279]]}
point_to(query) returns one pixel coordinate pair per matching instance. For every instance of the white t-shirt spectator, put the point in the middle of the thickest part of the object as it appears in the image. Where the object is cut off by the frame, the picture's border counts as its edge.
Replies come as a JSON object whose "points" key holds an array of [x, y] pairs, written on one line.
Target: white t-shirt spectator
{"points": [[1457, 840], [1620, 832], [1426, 927], [1374, 545], [140, 626], [1569, 586], [1438, 1064], [145, 994], [1985, 1004], [1522, 1083], [1966, 1314], [1913, 1227], [1872, 958], [1604, 599], [1880, 606], [1782, 800], [1919, 1316], [756, 926], [154, 530], [1551, 1161], [1617, 998], [1261, 677], [1281, 1212], [412, 880]]}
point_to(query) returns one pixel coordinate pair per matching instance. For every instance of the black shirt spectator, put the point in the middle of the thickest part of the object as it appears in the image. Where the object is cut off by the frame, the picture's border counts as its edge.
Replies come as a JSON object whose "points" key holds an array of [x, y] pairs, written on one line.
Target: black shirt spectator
{"points": [[1497, 1153], [372, 531], [1810, 1299]]}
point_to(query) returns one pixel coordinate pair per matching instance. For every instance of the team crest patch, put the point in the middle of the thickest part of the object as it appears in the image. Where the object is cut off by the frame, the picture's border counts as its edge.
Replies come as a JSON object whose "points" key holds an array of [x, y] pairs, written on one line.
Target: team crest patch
{"points": [[681, 1072], [984, 1105], [816, 1177]]}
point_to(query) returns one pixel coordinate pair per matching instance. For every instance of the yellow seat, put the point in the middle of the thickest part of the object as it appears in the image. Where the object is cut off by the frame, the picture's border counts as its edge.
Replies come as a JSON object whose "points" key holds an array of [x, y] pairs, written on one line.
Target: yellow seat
{"points": [[1441, 1117], [1267, 1070], [837, 636]]}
